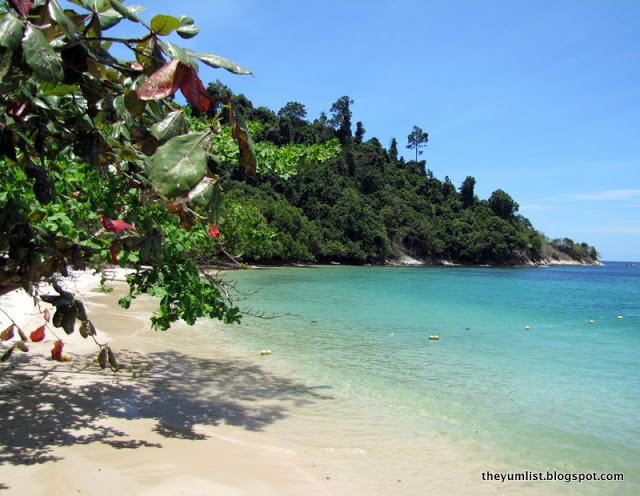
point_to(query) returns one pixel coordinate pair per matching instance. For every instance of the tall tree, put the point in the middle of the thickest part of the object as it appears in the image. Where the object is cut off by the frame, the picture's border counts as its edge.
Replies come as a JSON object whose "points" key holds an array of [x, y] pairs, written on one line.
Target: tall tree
{"points": [[341, 118], [294, 111], [293, 125], [360, 131], [393, 150], [417, 139], [502, 204], [467, 196]]}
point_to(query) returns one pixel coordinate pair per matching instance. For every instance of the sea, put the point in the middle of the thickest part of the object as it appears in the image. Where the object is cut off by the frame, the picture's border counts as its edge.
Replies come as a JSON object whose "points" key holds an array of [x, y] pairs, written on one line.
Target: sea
{"points": [[535, 374]]}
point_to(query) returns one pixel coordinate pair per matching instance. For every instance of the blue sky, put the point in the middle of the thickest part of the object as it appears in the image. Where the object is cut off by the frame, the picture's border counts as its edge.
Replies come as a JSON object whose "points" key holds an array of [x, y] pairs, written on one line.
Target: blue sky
{"points": [[539, 99]]}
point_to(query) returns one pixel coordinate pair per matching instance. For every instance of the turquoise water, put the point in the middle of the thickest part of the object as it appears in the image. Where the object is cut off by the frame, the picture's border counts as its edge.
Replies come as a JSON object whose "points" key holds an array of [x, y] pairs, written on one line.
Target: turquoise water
{"points": [[563, 395]]}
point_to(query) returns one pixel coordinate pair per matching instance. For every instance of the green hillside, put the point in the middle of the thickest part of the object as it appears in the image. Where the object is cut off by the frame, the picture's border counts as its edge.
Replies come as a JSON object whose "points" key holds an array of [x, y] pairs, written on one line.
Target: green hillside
{"points": [[362, 202]]}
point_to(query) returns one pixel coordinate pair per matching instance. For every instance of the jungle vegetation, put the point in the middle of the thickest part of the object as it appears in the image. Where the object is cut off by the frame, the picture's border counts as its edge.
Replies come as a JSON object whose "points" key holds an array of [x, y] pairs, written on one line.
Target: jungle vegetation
{"points": [[362, 202]]}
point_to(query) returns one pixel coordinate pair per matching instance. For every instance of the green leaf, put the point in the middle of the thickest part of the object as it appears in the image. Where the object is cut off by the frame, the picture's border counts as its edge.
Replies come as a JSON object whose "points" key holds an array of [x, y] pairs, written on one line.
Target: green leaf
{"points": [[98, 5], [39, 55], [179, 164], [216, 61], [216, 205], [5, 64], [180, 53], [52, 89], [58, 15], [7, 354], [200, 195], [93, 5], [187, 32], [11, 31], [110, 18], [127, 12], [164, 24], [186, 20], [172, 125]]}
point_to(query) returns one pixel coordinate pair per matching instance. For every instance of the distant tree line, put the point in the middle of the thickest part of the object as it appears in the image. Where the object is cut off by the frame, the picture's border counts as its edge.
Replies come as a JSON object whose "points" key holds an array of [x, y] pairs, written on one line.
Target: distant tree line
{"points": [[366, 204]]}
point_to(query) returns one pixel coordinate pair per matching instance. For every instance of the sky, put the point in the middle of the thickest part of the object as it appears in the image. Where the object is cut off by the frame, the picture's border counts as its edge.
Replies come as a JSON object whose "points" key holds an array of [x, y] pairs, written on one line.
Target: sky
{"points": [[540, 99]]}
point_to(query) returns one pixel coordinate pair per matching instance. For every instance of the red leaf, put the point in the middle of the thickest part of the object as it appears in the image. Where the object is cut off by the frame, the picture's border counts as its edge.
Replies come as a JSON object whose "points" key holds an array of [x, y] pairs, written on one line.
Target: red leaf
{"points": [[162, 83], [22, 6], [7, 334], [175, 206], [47, 314], [193, 90], [19, 109], [214, 232], [56, 351], [114, 250], [38, 334], [116, 226]]}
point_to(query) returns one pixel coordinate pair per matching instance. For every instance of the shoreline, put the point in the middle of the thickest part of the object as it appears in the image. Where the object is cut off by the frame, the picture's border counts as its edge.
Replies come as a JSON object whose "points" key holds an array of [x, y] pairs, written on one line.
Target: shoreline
{"points": [[405, 262], [192, 412], [166, 423]]}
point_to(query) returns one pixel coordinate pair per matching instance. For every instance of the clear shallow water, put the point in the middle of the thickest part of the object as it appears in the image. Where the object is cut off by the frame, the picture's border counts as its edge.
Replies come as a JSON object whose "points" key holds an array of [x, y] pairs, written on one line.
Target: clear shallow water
{"points": [[564, 395]]}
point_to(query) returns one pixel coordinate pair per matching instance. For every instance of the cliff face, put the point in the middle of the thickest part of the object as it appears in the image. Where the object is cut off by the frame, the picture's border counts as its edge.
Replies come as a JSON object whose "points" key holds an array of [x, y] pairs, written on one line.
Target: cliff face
{"points": [[550, 255]]}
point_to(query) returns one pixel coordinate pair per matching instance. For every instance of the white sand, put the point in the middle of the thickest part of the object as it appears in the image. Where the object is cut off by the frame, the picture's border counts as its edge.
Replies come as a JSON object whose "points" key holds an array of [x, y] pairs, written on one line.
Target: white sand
{"points": [[156, 427]]}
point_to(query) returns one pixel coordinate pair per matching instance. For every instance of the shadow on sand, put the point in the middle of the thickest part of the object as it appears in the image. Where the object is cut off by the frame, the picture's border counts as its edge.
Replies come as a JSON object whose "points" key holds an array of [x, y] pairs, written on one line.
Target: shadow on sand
{"points": [[43, 406]]}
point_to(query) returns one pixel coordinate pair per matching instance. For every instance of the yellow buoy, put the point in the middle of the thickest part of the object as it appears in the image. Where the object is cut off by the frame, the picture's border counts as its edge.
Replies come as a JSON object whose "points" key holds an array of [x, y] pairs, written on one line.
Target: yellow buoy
{"points": [[434, 338], [265, 352], [619, 317]]}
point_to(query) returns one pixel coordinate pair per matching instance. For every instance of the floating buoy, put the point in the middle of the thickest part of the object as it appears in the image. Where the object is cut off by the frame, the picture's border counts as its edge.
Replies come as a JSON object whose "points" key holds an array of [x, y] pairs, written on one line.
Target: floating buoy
{"points": [[265, 352], [619, 317], [592, 322], [527, 328], [434, 338]]}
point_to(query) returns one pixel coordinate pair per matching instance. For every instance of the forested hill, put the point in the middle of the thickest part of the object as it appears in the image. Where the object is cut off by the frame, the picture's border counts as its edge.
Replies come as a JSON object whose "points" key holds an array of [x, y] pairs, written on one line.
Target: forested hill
{"points": [[366, 204]]}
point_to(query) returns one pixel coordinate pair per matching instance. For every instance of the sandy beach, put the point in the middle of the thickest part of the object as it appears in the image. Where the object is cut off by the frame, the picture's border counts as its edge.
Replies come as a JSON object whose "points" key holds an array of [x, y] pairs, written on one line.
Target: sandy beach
{"points": [[190, 413], [167, 423]]}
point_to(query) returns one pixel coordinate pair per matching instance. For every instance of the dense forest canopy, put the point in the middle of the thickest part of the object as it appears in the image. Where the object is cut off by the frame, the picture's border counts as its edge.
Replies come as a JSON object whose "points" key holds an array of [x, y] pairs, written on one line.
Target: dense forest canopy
{"points": [[366, 204]]}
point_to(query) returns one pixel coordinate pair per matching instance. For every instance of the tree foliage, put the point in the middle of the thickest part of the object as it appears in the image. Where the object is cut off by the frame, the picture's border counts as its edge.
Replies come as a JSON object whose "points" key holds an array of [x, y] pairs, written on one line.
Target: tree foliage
{"points": [[416, 140], [502, 204], [361, 204], [467, 194], [99, 164], [341, 118]]}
